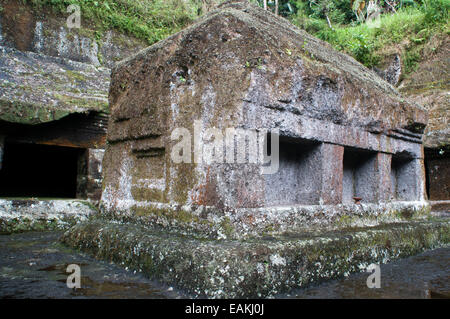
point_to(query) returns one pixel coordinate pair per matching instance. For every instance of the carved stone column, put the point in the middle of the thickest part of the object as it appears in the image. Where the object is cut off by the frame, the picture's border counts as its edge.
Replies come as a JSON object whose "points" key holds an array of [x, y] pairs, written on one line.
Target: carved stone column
{"points": [[332, 173]]}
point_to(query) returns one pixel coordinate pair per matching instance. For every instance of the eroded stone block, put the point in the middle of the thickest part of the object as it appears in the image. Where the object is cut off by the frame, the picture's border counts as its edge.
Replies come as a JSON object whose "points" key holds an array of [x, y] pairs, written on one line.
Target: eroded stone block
{"points": [[241, 68], [89, 180]]}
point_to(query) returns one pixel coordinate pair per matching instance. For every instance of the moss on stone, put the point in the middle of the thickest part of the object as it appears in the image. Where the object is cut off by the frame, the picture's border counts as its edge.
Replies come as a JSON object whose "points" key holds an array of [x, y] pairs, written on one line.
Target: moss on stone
{"points": [[23, 113], [82, 102], [75, 76], [20, 225], [149, 194], [227, 227], [254, 268]]}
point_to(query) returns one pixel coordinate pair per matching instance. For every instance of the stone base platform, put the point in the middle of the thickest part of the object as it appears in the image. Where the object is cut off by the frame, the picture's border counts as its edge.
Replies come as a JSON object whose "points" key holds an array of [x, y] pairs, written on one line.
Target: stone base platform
{"points": [[19, 215], [441, 206], [255, 267], [204, 222]]}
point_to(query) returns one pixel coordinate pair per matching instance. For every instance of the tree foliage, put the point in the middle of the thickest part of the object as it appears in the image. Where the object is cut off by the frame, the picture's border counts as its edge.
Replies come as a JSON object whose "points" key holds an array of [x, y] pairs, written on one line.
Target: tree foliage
{"points": [[353, 11]]}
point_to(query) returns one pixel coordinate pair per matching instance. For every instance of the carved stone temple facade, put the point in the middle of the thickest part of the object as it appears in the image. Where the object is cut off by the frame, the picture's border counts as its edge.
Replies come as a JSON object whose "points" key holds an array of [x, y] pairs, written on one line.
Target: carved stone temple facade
{"points": [[343, 132], [246, 158]]}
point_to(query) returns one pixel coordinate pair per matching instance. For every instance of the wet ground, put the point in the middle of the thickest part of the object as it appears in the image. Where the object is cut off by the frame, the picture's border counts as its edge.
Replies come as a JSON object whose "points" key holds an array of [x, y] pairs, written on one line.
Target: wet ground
{"points": [[423, 276], [33, 265]]}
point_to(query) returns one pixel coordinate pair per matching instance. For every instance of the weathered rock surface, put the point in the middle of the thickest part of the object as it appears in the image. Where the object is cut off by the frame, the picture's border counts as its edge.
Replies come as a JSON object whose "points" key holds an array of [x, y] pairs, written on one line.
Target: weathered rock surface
{"points": [[243, 67], [36, 88], [257, 268], [210, 223], [89, 184], [429, 85], [48, 70], [18, 215], [392, 72], [217, 58], [43, 32]]}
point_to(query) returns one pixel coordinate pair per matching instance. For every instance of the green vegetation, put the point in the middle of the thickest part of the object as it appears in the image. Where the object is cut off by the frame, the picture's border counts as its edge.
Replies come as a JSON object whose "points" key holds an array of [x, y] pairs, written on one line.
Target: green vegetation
{"points": [[148, 20], [409, 29], [351, 26]]}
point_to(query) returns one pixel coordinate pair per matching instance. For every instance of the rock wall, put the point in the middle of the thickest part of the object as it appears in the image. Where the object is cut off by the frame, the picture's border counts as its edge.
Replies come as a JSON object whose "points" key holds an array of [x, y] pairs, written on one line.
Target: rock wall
{"points": [[90, 174], [48, 34], [392, 71], [54, 83], [429, 85], [36, 88]]}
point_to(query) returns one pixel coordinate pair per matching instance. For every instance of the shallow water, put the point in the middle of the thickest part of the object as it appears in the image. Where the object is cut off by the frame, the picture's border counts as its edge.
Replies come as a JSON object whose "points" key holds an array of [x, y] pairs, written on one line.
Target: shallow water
{"points": [[423, 276], [33, 265]]}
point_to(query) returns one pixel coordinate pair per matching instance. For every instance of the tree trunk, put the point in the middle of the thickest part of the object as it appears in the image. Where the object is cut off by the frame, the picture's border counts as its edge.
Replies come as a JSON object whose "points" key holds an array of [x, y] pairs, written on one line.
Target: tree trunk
{"points": [[276, 7], [265, 4], [329, 22]]}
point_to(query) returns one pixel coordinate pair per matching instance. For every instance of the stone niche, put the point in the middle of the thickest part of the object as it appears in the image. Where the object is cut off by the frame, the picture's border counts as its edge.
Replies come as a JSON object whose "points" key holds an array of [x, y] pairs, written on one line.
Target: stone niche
{"points": [[58, 159], [438, 175], [359, 175], [341, 127], [403, 177], [50, 171], [298, 178]]}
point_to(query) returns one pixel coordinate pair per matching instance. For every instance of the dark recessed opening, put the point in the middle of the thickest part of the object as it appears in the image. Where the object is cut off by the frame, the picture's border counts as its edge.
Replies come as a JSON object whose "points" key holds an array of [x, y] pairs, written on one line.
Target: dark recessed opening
{"points": [[427, 178], [297, 180], [31, 170], [437, 169], [403, 178], [359, 175]]}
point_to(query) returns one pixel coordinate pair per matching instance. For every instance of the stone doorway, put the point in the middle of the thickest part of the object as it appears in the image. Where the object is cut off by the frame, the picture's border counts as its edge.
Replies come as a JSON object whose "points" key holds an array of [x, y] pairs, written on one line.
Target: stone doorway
{"points": [[41, 171]]}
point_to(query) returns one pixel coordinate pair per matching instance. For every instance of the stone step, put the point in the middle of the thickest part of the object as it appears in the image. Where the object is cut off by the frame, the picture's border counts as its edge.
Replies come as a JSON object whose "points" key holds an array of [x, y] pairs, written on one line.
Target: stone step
{"points": [[253, 268], [28, 214], [442, 206]]}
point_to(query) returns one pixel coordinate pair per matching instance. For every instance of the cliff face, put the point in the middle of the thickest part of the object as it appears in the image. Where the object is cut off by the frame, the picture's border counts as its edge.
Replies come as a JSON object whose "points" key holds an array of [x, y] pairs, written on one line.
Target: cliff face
{"points": [[429, 85], [54, 84], [45, 33], [48, 71], [37, 88]]}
